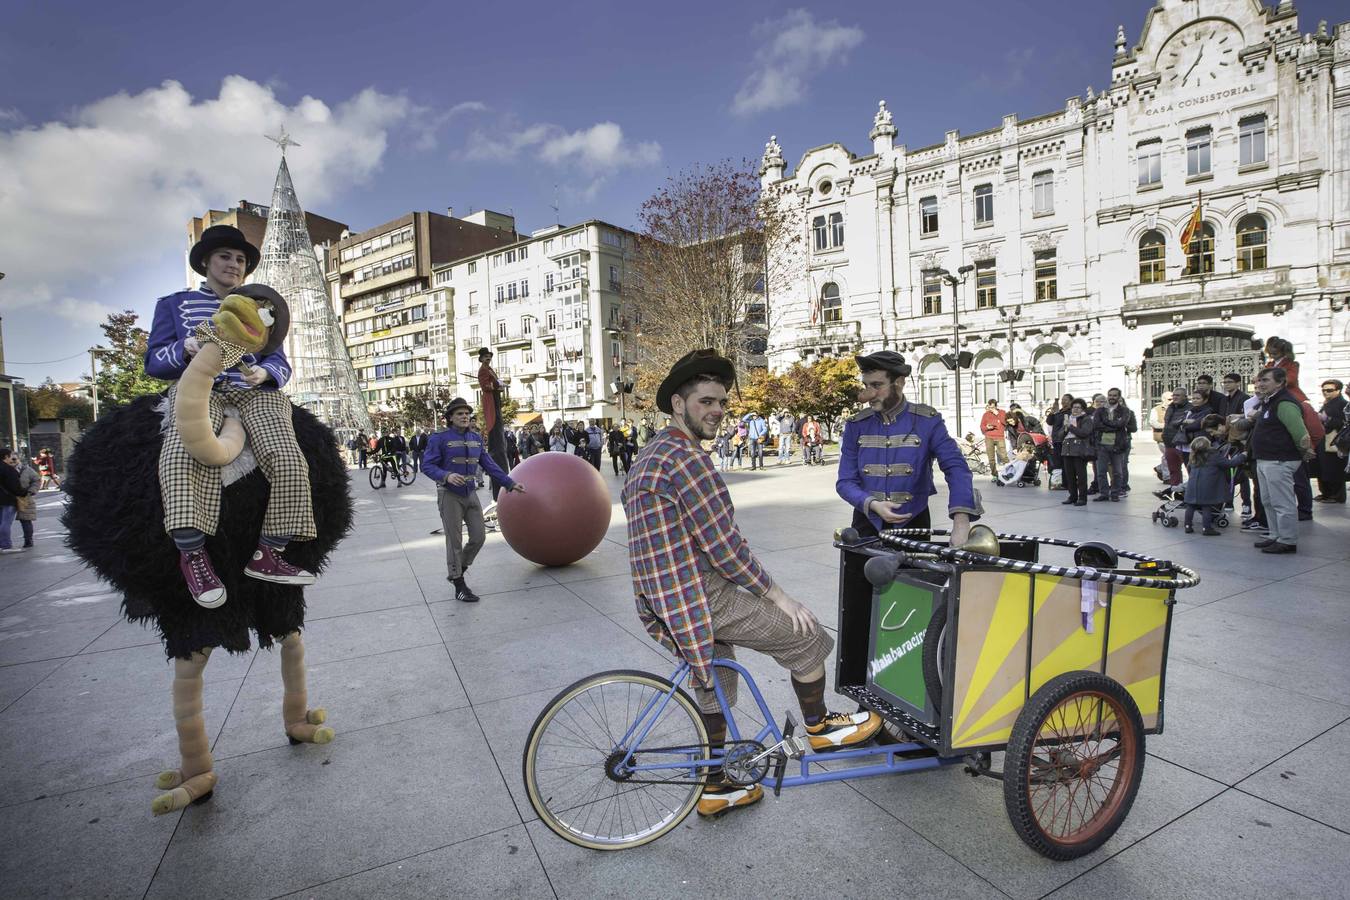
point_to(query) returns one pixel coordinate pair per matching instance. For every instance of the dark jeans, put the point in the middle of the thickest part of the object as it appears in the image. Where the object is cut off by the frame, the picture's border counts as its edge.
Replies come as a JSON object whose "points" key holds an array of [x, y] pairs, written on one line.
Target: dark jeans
{"points": [[1303, 489], [1206, 515], [496, 446], [1111, 472], [756, 454], [593, 457], [1076, 478], [361, 457]]}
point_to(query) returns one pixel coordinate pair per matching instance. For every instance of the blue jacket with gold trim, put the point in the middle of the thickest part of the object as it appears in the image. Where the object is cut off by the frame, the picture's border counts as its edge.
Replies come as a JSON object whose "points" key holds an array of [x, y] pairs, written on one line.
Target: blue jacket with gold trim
{"points": [[464, 453], [892, 459]]}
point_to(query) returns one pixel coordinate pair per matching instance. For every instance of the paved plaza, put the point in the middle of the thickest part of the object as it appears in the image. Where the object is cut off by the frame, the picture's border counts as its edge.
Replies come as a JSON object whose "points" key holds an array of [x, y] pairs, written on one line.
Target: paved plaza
{"points": [[420, 794]]}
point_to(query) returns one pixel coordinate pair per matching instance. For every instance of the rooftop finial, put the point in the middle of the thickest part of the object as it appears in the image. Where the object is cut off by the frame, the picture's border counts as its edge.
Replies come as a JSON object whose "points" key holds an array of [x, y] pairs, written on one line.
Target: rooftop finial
{"points": [[282, 139], [1120, 40]]}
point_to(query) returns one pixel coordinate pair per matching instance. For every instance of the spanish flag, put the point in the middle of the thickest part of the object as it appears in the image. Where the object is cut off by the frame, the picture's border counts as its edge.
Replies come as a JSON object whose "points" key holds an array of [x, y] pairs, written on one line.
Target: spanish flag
{"points": [[1191, 231]]}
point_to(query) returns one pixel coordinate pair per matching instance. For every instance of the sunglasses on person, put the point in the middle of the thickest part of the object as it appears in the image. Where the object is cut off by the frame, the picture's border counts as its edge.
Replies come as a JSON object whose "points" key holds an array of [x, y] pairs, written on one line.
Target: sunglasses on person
{"points": [[1331, 390]]}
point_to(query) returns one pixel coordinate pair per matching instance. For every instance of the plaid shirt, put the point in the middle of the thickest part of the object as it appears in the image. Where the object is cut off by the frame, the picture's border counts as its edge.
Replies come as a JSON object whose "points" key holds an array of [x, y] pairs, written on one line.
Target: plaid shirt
{"points": [[681, 524]]}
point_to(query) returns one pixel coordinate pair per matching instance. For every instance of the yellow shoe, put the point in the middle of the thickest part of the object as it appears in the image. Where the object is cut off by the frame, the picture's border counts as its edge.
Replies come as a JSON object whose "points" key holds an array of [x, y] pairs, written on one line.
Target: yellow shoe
{"points": [[719, 799], [838, 730]]}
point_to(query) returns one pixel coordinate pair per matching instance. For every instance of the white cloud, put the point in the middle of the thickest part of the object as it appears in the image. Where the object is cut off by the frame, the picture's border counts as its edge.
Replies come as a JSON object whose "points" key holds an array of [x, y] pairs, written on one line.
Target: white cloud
{"points": [[85, 201], [592, 154], [792, 50], [426, 123]]}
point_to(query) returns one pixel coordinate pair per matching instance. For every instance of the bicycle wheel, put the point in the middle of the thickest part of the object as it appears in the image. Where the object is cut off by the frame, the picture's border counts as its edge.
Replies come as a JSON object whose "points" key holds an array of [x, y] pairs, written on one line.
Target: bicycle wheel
{"points": [[935, 653], [572, 759], [377, 476], [406, 475], [1073, 765]]}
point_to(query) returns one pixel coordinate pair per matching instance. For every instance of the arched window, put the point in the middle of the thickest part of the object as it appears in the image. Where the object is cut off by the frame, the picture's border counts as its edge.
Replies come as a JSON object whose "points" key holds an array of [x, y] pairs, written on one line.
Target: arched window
{"points": [[1152, 257], [1200, 253], [1047, 376], [933, 382], [987, 385], [820, 234], [1251, 243], [831, 306]]}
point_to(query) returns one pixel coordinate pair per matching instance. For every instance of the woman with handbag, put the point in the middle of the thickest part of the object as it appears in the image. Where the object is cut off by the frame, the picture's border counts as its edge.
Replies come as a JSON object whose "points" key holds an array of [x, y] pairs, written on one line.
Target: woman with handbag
{"points": [[1076, 450], [10, 492], [29, 483]]}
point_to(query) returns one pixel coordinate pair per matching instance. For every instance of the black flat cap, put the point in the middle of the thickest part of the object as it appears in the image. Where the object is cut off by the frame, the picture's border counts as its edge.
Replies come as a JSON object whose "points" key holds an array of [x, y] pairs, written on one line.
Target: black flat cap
{"points": [[883, 361]]}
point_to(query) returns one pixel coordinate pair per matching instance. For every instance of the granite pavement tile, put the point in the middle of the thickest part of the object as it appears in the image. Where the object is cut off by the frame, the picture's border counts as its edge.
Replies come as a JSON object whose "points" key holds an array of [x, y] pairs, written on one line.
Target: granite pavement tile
{"points": [[1310, 780]]}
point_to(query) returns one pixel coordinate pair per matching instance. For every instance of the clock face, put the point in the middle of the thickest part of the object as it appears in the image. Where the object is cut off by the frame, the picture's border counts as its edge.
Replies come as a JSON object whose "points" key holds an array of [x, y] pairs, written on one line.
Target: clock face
{"points": [[1200, 55]]}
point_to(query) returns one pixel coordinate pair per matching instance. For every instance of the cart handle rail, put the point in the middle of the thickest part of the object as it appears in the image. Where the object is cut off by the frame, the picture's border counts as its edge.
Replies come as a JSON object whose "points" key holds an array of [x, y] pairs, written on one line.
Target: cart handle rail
{"points": [[909, 539]]}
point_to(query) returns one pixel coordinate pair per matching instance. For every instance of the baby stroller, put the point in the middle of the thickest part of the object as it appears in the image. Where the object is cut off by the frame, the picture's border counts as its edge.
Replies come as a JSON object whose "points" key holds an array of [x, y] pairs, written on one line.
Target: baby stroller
{"points": [[1024, 468], [1171, 510]]}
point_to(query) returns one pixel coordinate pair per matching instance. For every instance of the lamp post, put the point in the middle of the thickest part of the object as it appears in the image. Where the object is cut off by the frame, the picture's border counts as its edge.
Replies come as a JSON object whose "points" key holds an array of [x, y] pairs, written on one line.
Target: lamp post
{"points": [[1011, 316], [964, 272], [93, 377]]}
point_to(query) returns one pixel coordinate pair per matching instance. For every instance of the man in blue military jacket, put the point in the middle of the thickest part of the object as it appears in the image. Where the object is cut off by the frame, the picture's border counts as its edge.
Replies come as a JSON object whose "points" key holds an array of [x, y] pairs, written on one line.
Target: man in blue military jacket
{"points": [[887, 454], [455, 459]]}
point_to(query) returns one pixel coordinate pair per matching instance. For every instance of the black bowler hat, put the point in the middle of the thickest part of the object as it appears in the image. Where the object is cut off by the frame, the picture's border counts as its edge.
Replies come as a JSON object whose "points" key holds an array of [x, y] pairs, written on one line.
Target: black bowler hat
{"points": [[484, 350], [884, 361], [699, 362], [216, 237], [281, 313], [457, 403]]}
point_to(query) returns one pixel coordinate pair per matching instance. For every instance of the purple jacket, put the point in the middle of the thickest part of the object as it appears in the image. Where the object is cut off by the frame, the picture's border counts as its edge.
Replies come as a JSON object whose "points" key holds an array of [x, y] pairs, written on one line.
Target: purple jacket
{"points": [[176, 319]]}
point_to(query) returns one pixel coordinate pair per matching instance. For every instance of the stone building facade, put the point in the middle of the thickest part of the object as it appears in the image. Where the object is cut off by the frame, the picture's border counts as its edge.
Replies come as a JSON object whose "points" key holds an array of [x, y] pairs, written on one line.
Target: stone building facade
{"points": [[1065, 228]]}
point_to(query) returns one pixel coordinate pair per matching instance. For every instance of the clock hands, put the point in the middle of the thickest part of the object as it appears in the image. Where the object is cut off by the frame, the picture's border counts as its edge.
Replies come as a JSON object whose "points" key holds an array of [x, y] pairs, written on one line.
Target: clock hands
{"points": [[1198, 57]]}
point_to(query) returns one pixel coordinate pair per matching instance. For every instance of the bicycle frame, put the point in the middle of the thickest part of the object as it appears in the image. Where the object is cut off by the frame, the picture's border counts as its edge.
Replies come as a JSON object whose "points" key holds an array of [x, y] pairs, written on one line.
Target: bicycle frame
{"points": [[770, 736]]}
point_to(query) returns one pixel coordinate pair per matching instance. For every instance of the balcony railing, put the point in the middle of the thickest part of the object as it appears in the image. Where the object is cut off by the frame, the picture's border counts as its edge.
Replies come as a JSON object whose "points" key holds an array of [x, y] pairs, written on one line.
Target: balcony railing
{"points": [[829, 333], [1230, 288]]}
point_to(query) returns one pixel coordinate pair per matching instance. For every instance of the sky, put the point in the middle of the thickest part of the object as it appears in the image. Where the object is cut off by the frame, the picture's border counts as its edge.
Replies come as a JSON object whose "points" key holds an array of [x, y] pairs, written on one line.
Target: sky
{"points": [[120, 122]]}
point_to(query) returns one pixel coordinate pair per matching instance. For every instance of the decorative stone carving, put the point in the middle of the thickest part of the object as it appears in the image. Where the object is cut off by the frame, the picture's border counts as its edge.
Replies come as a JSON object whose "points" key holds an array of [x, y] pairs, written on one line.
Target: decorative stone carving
{"points": [[1044, 241], [1120, 41], [773, 156], [983, 252]]}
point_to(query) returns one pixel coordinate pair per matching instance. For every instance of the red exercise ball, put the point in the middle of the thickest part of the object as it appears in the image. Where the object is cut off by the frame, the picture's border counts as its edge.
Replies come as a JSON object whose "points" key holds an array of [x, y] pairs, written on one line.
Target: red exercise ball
{"points": [[563, 514]]}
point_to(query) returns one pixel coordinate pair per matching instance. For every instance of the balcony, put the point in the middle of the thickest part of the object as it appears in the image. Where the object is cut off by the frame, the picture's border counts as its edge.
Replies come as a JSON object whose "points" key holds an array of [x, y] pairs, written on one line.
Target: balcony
{"points": [[577, 400], [548, 333], [846, 332], [470, 343], [512, 338], [1226, 291]]}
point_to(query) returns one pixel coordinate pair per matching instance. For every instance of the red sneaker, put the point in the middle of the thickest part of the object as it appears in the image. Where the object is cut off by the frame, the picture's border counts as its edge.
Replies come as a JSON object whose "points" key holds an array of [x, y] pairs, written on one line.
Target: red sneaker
{"points": [[202, 581], [267, 565]]}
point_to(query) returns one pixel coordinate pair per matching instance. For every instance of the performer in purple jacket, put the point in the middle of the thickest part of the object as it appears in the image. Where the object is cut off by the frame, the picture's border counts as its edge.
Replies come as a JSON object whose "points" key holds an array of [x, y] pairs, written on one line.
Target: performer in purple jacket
{"points": [[191, 489]]}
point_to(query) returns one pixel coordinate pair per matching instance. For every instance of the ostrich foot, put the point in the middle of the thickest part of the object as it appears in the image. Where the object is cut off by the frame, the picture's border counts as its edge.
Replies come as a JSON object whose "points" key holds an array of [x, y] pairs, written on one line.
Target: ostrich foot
{"points": [[197, 789], [312, 730]]}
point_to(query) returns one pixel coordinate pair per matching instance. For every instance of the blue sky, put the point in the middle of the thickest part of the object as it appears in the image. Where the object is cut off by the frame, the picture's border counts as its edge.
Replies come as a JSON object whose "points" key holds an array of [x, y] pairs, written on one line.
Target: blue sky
{"points": [[118, 122]]}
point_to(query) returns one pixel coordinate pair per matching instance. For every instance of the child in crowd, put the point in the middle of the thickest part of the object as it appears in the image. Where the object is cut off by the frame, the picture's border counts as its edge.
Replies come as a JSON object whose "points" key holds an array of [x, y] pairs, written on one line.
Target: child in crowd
{"points": [[1207, 484]]}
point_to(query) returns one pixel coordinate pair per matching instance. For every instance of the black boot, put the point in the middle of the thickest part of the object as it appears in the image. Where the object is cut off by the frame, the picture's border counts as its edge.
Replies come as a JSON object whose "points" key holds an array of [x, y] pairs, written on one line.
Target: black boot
{"points": [[462, 591]]}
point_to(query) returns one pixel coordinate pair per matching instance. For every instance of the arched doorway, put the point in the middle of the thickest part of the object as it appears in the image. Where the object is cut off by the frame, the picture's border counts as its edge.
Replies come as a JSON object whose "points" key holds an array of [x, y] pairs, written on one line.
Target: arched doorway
{"points": [[1178, 356]]}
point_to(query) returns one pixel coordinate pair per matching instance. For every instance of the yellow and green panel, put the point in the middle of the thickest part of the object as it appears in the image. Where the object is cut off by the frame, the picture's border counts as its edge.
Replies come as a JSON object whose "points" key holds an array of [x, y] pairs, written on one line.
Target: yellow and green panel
{"points": [[1015, 632]]}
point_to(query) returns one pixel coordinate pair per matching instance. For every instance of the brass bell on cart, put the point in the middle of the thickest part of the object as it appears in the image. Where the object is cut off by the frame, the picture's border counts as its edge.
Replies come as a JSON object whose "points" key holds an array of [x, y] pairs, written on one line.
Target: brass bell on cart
{"points": [[982, 539]]}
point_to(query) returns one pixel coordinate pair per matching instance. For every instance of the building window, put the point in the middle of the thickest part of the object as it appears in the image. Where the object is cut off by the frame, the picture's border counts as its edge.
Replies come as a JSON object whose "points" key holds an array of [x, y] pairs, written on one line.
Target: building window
{"points": [[524, 252], [933, 381], [821, 235], [1047, 287], [1043, 193], [501, 328], [512, 291], [836, 230], [1150, 163], [932, 295], [527, 325], [1252, 141], [986, 285], [496, 260], [1251, 243], [1047, 377], [831, 304], [1197, 152], [548, 283], [501, 293], [473, 268], [1200, 254], [928, 215], [987, 383], [510, 256], [524, 287], [1152, 258], [551, 320], [984, 204]]}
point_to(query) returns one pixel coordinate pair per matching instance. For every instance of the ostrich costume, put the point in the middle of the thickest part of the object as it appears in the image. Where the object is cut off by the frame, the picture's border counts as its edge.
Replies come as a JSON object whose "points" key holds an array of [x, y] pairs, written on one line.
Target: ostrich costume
{"points": [[115, 519]]}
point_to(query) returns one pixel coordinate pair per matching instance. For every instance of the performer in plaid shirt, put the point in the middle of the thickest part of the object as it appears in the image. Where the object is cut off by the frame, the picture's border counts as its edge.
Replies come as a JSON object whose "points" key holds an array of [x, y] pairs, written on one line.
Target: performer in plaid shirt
{"points": [[700, 590]]}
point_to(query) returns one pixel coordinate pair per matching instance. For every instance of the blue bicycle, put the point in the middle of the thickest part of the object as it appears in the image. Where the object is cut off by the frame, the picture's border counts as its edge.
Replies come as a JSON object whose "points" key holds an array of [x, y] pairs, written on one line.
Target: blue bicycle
{"points": [[619, 758]]}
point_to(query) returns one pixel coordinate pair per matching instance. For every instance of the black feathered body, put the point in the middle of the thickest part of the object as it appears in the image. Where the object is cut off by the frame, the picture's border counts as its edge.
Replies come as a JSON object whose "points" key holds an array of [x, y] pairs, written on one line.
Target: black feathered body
{"points": [[115, 522]]}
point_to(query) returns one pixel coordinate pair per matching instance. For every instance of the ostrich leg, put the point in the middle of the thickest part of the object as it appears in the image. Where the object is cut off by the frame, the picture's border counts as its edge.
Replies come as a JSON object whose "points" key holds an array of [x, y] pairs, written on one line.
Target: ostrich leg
{"points": [[303, 725], [195, 780]]}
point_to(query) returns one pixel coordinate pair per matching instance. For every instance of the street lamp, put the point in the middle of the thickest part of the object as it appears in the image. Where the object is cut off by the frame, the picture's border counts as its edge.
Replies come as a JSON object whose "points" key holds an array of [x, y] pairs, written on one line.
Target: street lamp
{"points": [[960, 360], [1011, 375], [93, 376]]}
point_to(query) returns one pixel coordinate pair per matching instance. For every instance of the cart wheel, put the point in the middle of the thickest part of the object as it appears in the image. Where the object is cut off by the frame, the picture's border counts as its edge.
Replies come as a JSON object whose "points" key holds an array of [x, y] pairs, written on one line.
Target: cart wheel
{"points": [[1222, 521], [1020, 484], [1173, 521], [1073, 764], [934, 654]]}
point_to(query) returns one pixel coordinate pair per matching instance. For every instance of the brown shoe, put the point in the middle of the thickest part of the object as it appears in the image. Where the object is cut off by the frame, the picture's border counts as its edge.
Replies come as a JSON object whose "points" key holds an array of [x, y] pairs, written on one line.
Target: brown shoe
{"points": [[839, 730], [723, 798]]}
